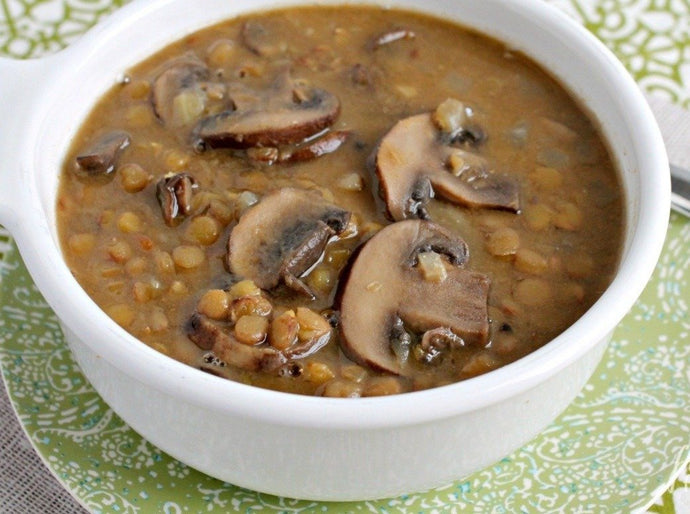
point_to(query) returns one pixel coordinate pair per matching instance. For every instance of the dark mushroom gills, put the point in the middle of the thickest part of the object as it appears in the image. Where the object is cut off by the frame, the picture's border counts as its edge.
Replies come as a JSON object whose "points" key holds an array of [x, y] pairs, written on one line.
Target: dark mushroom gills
{"points": [[282, 237], [391, 290]]}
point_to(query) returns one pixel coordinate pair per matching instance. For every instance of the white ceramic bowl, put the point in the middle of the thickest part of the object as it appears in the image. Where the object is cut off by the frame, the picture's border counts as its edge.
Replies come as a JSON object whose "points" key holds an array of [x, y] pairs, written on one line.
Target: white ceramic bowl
{"points": [[321, 448]]}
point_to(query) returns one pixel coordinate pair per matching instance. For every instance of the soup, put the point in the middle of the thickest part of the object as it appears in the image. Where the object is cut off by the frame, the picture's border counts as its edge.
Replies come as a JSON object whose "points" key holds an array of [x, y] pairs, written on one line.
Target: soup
{"points": [[345, 202]]}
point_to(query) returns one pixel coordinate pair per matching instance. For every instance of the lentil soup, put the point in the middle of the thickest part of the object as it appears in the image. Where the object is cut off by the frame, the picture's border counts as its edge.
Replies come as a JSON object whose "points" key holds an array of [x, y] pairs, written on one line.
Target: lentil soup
{"points": [[345, 202]]}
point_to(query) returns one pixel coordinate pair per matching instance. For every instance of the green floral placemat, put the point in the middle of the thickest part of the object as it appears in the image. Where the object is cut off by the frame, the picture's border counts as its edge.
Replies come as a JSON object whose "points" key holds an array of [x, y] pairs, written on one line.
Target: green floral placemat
{"points": [[616, 448]]}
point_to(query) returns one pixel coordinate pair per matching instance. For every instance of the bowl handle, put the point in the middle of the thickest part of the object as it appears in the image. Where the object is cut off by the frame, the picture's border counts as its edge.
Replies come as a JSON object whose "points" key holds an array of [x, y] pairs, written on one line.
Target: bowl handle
{"points": [[20, 78]]}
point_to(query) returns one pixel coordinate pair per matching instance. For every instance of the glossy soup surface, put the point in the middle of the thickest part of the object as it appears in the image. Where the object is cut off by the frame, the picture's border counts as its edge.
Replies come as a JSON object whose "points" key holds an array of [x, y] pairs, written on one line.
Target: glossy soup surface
{"points": [[275, 200]]}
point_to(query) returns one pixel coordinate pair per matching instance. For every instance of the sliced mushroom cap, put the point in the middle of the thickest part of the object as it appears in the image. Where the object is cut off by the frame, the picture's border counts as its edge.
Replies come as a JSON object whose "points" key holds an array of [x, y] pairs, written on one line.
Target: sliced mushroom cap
{"points": [[286, 113], [412, 166], [385, 291], [178, 89], [102, 157], [283, 236], [207, 335], [212, 336]]}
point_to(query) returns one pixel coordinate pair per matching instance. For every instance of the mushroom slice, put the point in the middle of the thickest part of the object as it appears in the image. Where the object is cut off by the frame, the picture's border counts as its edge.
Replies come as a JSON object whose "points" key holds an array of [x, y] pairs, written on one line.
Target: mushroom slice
{"points": [[282, 237], [411, 163], [210, 336], [174, 194], [312, 149], [287, 113], [225, 349], [177, 94], [260, 40], [102, 157], [385, 294]]}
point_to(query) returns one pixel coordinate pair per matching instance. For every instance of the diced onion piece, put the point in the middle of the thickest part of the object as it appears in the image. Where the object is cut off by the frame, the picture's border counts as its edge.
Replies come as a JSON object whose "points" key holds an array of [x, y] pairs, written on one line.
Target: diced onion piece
{"points": [[351, 182], [432, 267], [450, 115], [187, 107]]}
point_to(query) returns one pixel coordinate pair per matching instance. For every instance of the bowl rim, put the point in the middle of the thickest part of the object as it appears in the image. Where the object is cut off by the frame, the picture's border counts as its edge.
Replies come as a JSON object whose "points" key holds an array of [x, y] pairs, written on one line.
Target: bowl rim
{"points": [[156, 370]]}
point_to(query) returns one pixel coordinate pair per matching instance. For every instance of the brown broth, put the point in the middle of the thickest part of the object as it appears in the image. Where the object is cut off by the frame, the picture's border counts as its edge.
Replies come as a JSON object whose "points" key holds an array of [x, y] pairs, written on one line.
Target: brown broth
{"points": [[569, 229]]}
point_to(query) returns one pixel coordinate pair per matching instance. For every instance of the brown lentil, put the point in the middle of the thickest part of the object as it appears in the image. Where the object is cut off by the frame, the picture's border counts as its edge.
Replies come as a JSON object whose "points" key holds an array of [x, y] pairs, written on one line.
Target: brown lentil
{"points": [[339, 388], [255, 305], [134, 178], [244, 288], [188, 257], [221, 52], [311, 324], [532, 292], [123, 314], [251, 329], [479, 364], [82, 244], [284, 330], [530, 261], [214, 304], [503, 242], [203, 230], [382, 386], [129, 222], [317, 372], [120, 251]]}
